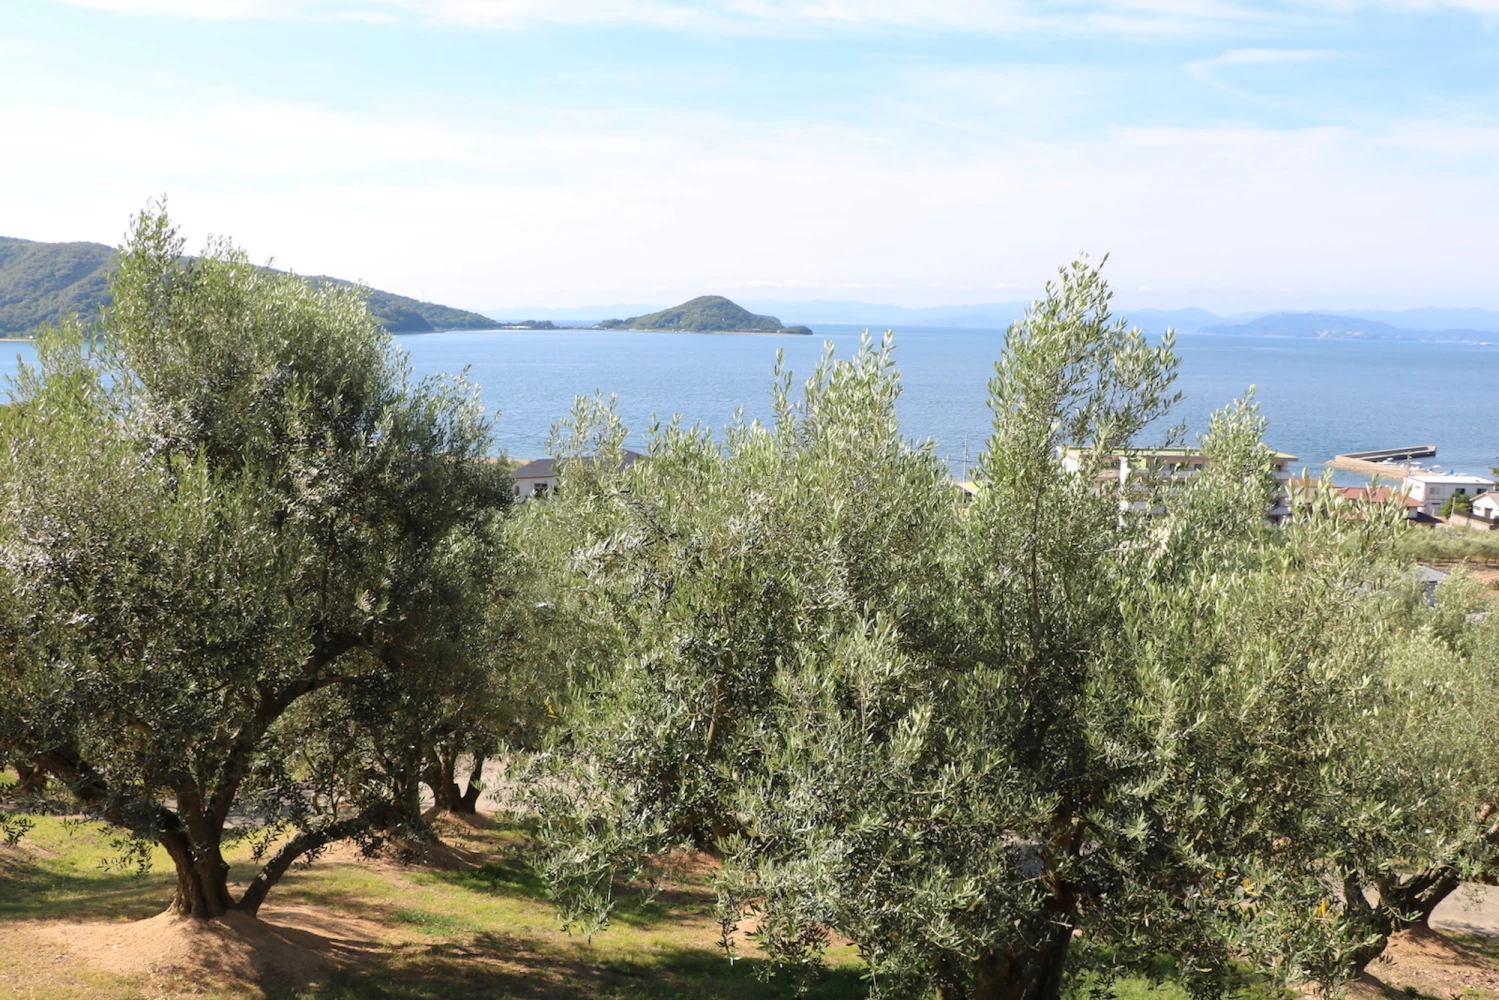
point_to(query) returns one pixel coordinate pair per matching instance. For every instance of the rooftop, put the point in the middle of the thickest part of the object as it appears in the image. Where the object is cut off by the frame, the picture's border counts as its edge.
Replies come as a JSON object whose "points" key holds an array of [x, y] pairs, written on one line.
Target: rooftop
{"points": [[1381, 494], [545, 468], [1449, 478], [1142, 453]]}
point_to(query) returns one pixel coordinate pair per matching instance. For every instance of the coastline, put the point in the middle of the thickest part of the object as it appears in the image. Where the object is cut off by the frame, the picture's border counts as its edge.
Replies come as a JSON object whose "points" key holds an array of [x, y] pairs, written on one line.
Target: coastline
{"points": [[731, 333]]}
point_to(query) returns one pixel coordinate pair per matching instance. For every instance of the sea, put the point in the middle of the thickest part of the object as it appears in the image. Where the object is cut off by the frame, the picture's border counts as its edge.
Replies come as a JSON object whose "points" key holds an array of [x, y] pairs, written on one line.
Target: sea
{"points": [[1321, 397]]}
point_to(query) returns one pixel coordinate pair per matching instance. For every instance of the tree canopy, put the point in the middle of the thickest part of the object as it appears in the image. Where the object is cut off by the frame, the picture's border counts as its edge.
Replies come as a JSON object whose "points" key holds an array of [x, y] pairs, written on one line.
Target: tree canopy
{"points": [[258, 582], [225, 500], [996, 743]]}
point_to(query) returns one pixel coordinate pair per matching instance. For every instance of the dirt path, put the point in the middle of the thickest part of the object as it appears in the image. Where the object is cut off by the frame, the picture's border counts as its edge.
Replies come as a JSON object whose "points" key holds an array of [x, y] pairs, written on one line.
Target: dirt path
{"points": [[1472, 910], [1460, 960]]}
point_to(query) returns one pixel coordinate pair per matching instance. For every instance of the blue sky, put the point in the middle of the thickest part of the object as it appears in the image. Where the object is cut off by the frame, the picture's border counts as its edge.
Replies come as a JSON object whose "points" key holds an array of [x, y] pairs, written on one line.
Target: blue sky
{"points": [[484, 153]]}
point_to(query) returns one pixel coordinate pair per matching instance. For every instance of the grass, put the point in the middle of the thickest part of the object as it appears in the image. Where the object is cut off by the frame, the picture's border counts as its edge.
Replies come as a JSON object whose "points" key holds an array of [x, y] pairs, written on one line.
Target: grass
{"points": [[483, 932], [486, 931]]}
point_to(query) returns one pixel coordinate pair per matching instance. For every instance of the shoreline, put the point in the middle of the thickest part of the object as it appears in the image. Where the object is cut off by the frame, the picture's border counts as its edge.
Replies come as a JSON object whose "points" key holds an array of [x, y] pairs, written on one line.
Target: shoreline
{"points": [[731, 333]]}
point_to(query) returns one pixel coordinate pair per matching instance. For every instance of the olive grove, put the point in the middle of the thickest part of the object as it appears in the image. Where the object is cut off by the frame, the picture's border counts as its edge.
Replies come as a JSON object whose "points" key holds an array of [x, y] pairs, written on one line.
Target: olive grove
{"points": [[1097, 717], [998, 744]]}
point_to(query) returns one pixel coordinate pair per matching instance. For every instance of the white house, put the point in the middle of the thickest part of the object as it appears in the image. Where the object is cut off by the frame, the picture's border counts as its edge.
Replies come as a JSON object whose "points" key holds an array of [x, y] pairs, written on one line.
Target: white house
{"points": [[538, 477], [1434, 489], [1487, 506]]}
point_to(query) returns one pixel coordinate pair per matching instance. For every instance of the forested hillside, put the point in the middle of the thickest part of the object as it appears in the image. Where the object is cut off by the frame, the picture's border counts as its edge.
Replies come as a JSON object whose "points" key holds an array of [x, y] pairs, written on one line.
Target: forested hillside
{"points": [[705, 314], [43, 282]]}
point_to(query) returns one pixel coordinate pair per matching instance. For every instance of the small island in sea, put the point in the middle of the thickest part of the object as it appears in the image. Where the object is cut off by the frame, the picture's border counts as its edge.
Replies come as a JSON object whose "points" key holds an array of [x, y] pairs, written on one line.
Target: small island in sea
{"points": [[705, 314]]}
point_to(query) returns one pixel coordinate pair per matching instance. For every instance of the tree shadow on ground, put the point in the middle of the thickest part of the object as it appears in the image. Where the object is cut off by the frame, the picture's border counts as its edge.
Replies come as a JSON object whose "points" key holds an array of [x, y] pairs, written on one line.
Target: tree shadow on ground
{"points": [[634, 905], [500, 878], [31, 891], [501, 966]]}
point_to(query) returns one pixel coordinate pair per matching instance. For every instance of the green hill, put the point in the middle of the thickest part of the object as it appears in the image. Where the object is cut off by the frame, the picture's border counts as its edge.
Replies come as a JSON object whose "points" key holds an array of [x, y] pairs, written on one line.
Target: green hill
{"points": [[704, 314], [42, 282]]}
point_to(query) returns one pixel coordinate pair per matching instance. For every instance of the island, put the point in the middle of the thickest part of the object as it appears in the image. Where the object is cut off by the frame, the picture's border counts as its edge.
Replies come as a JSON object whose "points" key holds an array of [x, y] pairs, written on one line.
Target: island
{"points": [[705, 314]]}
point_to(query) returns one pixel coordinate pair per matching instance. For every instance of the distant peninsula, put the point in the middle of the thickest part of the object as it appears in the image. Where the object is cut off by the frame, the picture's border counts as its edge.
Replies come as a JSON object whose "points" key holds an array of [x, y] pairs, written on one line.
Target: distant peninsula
{"points": [[1328, 326], [40, 283], [705, 314]]}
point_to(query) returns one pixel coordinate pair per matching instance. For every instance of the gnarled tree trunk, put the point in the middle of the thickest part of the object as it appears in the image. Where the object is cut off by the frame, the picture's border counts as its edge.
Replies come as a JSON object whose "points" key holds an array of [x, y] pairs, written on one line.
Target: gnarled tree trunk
{"points": [[31, 780], [1027, 971], [1411, 900], [202, 877], [441, 775]]}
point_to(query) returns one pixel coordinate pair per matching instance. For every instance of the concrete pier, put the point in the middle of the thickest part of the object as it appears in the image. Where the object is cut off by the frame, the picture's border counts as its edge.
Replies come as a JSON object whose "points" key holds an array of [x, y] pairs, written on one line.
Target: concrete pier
{"points": [[1383, 463]]}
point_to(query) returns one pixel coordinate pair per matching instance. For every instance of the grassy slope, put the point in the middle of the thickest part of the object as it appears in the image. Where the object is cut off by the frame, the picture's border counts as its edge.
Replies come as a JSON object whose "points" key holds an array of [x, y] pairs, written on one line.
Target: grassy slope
{"points": [[482, 932], [43, 282]]}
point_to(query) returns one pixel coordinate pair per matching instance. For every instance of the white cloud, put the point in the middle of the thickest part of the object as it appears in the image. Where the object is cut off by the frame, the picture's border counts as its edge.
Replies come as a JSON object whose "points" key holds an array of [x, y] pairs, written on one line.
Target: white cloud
{"points": [[1150, 16], [1257, 57], [569, 213]]}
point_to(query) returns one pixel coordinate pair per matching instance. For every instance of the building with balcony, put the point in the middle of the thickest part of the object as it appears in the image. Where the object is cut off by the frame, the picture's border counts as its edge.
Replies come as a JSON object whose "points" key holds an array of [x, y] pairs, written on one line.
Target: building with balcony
{"points": [[1154, 467]]}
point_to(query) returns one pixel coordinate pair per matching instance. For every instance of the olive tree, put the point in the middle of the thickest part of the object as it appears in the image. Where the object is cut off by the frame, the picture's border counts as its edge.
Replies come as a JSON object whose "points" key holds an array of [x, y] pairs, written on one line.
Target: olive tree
{"points": [[1136, 739], [1438, 757], [1072, 724], [466, 686], [224, 502], [691, 579]]}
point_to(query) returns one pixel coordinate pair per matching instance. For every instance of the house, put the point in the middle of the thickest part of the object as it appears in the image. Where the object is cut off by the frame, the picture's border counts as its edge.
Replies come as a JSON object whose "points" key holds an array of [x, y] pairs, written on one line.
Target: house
{"points": [[1176, 465], [1431, 578], [967, 489], [1384, 494], [1483, 517], [1434, 489], [539, 477]]}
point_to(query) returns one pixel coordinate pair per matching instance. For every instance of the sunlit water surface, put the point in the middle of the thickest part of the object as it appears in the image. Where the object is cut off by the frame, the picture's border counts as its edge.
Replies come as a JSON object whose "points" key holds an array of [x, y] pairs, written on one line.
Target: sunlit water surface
{"points": [[1321, 396]]}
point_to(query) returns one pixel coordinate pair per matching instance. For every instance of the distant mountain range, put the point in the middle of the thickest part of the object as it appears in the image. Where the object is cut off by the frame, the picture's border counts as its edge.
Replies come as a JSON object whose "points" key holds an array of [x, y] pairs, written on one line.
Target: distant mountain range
{"points": [[1428, 324], [42, 282], [1343, 328]]}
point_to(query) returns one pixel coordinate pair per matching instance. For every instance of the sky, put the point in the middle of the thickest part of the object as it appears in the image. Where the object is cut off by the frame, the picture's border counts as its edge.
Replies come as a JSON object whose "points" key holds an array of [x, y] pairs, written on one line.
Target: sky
{"points": [[1227, 154]]}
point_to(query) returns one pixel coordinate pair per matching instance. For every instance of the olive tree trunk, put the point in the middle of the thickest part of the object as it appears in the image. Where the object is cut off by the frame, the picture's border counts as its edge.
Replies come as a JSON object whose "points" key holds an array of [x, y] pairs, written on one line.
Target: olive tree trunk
{"points": [[203, 874], [442, 777], [1410, 901], [202, 877], [1031, 971]]}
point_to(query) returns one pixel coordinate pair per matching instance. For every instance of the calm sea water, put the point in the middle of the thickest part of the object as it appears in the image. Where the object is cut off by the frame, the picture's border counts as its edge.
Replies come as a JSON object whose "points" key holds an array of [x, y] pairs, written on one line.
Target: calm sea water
{"points": [[1321, 396]]}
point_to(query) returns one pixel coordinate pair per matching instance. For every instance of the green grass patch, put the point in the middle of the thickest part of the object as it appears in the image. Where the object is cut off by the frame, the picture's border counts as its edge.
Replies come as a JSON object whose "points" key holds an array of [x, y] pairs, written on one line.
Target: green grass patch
{"points": [[501, 878], [428, 922]]}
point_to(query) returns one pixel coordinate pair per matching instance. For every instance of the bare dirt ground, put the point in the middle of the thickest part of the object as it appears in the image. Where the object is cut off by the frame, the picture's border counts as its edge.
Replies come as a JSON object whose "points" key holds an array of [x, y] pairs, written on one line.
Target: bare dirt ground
{"points": [[292, 946], [1458, 959]]}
